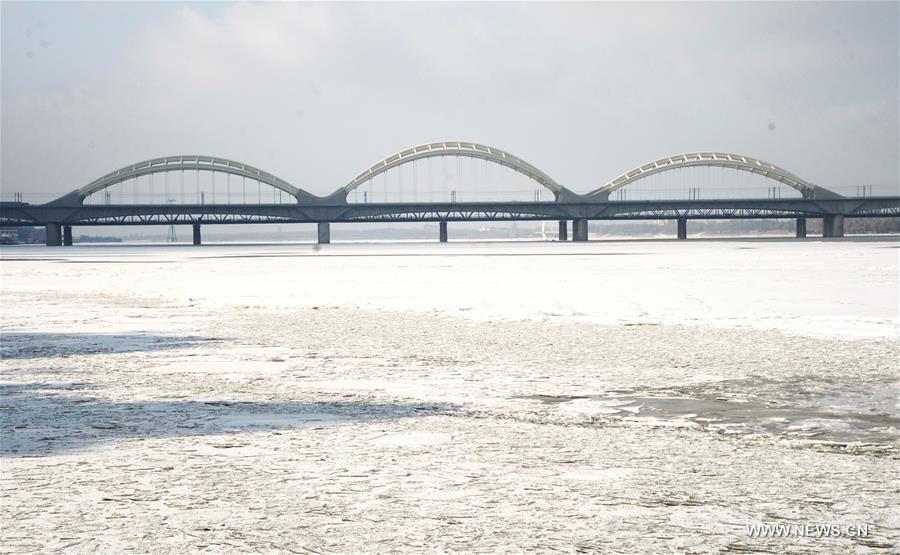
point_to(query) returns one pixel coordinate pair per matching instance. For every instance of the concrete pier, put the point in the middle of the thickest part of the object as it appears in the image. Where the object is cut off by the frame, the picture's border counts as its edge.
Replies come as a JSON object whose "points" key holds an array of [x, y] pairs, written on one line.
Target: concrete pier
{"points": [[197, 234], [580, 229], [54, 235], [324, 233], [682, 228], [563, 230], [442, 226], [833, 225], [67, 235], [801, 227]]}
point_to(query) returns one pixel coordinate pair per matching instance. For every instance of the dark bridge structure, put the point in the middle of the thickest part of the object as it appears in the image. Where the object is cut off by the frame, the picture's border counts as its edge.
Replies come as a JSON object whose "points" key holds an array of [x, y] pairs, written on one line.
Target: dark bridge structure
{"points": [[61, 215]]}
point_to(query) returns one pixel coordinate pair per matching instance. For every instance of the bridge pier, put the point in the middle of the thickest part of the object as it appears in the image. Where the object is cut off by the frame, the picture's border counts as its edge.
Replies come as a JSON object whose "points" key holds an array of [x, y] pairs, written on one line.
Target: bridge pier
{"points": [[563, 230], [801, 227], [197, 234], [324, 233], [579, 229], [54, 235], [442, 231], [833, 225], [67, 235], [682, 228]]}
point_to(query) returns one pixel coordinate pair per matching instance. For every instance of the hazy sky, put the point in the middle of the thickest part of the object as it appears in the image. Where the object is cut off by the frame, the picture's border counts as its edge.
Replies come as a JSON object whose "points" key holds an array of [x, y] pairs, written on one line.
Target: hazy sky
{"points": [[314, 93]]}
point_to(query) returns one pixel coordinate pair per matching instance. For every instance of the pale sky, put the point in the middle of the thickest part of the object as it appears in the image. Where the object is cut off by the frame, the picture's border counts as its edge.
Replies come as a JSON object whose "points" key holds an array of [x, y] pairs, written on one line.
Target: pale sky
{"points": [[315, 93]]}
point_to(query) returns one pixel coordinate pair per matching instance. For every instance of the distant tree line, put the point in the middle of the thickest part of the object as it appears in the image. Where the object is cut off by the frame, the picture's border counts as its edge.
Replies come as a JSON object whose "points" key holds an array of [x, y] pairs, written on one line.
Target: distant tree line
{"points": [[38, 235]]}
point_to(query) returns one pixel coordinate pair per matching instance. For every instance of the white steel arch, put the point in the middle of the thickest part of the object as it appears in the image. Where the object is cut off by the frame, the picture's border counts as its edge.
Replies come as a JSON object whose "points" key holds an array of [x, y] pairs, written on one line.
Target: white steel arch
{"points": [[461, 148], [188, 162], [715, 159]]}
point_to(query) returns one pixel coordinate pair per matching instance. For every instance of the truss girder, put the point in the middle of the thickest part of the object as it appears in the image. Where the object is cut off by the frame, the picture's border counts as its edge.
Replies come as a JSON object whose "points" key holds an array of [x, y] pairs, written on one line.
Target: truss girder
{"points": [[16, 214]]}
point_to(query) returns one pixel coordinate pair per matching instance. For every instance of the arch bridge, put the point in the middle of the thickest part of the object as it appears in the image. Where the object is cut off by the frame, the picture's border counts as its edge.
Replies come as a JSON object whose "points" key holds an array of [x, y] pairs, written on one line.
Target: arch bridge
{"points": [[816, 201]]}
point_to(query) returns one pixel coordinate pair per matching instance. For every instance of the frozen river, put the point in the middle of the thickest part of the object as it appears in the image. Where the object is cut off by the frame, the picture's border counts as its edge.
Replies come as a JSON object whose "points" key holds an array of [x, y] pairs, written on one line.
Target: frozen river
{"points": [[635, 396]]}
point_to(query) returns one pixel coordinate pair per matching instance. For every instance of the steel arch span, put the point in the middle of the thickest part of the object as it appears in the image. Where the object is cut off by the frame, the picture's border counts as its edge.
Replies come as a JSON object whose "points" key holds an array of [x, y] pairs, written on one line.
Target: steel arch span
{"points": [[184, 162], [715, 159], [460, 148]]}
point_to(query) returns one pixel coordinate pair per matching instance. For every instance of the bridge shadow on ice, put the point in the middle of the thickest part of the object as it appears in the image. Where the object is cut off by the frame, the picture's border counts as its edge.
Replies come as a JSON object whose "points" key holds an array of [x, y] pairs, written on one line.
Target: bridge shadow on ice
{"points": [[32, 345], [42, 419]]}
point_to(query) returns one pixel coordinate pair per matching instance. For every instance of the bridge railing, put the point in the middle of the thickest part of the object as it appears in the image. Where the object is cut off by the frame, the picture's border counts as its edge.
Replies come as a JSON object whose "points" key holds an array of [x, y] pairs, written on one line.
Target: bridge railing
{"points": [[637, 192], [863, 191], [193, 197], [30, 198]]}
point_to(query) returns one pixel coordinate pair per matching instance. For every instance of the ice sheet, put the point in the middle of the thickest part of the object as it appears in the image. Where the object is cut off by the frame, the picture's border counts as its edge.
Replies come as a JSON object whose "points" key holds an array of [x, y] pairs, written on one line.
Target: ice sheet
{"points": [[628, 397]]}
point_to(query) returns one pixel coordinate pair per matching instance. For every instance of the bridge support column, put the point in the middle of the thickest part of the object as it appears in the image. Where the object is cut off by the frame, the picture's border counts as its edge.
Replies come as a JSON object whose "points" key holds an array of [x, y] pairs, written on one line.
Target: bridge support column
{"points": [[324, 233], [833, 225], [801, 227], [580, 229], [682, 228], [67, 235], [54, 235], [442, 227], [563, 230], [196, 234]]}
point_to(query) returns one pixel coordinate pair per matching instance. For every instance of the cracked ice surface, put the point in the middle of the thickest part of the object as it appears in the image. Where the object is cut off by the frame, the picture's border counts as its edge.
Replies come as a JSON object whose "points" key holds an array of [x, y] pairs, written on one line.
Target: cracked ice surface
{"points": [[629, 397]]}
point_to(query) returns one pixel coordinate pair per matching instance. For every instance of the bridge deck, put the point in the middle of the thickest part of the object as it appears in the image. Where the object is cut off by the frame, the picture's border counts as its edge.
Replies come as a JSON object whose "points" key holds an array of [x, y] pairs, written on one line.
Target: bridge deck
{"points": [[22, 214]]}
